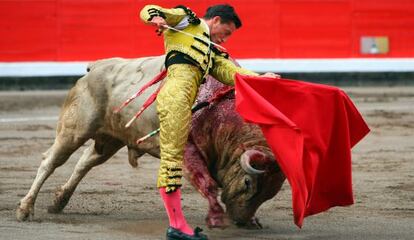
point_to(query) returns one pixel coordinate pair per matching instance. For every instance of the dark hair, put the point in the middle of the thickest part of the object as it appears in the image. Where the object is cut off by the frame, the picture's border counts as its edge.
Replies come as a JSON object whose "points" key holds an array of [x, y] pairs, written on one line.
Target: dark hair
{"points": [[225, 12]]}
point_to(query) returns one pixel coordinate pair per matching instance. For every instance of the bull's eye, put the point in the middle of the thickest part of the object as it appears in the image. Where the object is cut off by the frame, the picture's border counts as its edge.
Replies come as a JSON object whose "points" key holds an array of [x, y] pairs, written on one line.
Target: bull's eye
{"points": [[247, 182]]}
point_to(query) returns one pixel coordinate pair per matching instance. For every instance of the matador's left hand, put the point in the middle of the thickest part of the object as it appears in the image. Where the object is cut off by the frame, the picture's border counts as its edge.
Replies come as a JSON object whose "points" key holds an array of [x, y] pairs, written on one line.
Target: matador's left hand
{"points": [[270, 74]]}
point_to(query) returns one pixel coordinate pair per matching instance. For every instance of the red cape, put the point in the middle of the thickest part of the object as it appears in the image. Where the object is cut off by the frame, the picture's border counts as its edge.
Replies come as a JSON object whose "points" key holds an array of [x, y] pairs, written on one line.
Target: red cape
{"points": [[311, 129]]}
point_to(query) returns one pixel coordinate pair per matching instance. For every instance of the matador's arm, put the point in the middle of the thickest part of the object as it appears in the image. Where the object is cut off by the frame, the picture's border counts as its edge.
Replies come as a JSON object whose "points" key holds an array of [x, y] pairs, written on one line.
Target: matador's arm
{"points": [[224, 70], [172, 16]]}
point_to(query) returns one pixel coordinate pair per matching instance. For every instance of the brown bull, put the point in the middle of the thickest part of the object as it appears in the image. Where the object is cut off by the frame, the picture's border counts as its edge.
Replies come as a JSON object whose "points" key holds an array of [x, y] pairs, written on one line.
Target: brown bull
{"points": [[225, 152]]}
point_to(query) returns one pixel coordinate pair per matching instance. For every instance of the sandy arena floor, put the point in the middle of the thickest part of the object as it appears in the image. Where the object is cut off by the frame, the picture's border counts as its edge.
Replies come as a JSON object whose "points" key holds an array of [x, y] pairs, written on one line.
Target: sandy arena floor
{"points": [[115, 201]]}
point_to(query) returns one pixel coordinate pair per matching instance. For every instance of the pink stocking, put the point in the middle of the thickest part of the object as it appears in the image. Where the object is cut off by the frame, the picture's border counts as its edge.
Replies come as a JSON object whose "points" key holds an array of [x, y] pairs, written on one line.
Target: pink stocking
{"points": [[172, 204]]}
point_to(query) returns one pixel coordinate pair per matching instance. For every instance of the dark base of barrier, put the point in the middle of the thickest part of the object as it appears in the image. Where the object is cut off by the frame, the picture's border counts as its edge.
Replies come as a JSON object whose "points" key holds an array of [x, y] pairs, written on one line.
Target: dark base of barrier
{"points": [[37, 83], [336, 79]]}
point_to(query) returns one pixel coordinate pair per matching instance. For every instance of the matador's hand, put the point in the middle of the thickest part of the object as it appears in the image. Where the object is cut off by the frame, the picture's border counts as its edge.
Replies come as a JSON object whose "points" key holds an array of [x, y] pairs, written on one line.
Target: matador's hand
{"points": [[159, 23], [270, 74]]}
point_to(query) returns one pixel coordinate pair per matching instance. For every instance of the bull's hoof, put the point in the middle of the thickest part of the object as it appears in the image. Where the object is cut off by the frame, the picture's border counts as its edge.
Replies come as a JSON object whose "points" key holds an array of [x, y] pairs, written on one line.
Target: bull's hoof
{"points": [[217, 222], [60, 201], [24, 214], [252, 224], [54, 209]]}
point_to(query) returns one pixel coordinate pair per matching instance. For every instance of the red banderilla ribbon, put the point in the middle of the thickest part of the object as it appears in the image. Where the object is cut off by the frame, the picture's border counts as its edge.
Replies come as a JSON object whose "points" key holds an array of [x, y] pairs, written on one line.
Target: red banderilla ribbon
{"points": [[148, 102], [156, 79]]}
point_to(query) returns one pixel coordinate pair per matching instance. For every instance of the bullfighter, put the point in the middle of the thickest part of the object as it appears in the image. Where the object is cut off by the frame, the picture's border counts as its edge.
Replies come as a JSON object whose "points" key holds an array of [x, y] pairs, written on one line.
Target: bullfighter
{"points": [[192, 52]]}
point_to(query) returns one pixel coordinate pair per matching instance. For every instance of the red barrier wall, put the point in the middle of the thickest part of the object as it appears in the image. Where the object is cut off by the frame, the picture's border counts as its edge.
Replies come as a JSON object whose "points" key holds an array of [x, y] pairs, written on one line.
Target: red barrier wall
{"points": [[78, 30]]}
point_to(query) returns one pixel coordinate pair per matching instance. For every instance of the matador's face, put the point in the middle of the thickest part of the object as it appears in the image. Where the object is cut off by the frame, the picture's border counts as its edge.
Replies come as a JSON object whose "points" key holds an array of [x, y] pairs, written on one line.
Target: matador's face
{"points": [[220, 32]]}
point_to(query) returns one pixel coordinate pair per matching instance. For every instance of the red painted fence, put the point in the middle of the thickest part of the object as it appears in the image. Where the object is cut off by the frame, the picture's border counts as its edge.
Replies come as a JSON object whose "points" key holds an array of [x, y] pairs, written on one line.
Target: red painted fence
{"points": [[81, 30]]}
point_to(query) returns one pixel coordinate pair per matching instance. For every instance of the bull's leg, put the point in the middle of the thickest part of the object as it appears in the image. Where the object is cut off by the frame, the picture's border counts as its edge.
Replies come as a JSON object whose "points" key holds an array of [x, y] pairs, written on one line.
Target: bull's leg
{"points": [[200, 178], [101, 150], [76, 125], [57, 155]]}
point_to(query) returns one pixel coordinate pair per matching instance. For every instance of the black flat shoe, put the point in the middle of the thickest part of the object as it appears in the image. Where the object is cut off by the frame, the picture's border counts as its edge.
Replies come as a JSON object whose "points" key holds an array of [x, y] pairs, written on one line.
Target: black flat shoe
{"points": [[175, 234]]}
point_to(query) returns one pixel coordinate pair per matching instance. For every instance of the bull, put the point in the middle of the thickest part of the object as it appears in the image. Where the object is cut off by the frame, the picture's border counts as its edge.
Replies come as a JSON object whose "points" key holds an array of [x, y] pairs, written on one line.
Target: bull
{"points": [[222, 152]]}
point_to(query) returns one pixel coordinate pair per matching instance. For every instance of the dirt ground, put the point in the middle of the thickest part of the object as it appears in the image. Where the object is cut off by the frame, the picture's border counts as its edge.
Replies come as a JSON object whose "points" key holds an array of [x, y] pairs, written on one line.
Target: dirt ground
{"points": [[115, 201]]}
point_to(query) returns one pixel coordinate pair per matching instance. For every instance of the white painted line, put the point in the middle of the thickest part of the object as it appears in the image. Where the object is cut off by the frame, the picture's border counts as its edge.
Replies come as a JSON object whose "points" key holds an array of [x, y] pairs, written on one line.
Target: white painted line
{"points": [[28, 119], [330, 65], [42, 69], [36, 69]]}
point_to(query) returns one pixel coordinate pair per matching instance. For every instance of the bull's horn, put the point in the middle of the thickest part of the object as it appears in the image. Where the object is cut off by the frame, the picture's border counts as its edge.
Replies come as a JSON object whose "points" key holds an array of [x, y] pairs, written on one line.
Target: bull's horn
{"points": [[245, 164]]}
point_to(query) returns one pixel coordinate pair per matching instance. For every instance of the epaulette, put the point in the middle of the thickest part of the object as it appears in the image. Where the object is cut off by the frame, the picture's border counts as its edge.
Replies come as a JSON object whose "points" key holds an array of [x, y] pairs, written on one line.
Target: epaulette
{"points": [[192, 18], [219, 52]]}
